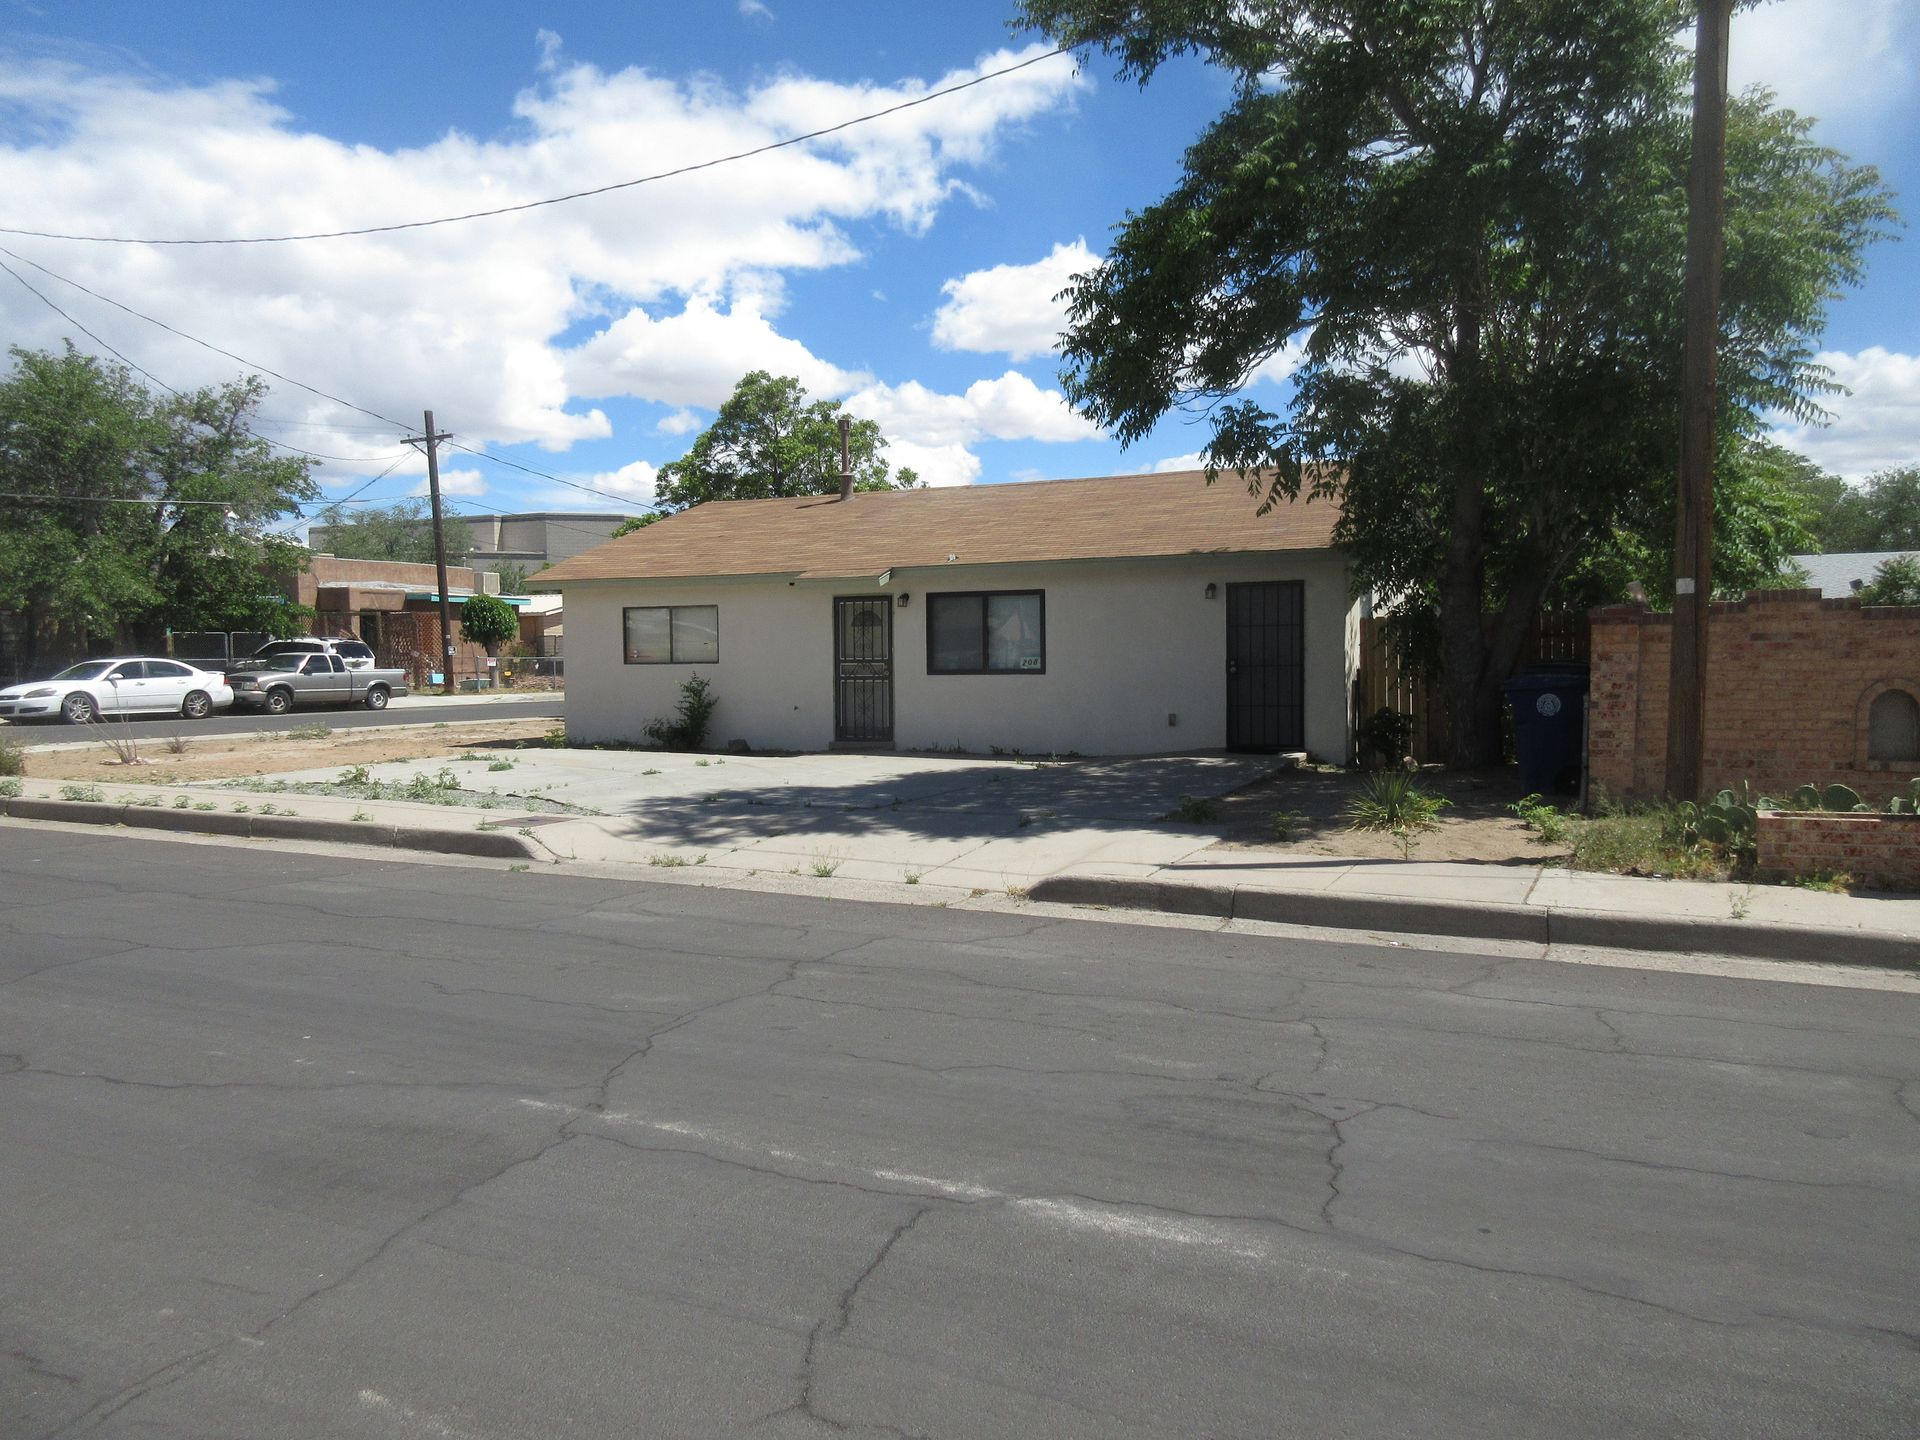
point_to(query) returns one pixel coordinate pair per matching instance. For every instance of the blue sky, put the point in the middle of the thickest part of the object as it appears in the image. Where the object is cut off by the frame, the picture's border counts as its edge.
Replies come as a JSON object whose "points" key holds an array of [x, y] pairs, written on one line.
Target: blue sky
{"points": [[905, 267]]}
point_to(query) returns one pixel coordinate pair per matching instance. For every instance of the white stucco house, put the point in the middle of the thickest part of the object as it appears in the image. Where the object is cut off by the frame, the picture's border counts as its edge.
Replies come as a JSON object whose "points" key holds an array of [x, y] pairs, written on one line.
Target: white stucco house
{"points": [[1128, 615]]}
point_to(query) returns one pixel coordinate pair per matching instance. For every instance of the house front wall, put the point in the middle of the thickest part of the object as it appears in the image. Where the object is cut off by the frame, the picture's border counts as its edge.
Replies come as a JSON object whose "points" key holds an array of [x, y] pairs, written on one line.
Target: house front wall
{"points": [[1136, 658]]}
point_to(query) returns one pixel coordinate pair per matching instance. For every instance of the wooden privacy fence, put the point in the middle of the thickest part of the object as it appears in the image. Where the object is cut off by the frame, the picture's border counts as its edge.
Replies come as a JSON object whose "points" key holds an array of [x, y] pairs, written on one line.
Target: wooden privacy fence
{"points": [[1388, 681]]}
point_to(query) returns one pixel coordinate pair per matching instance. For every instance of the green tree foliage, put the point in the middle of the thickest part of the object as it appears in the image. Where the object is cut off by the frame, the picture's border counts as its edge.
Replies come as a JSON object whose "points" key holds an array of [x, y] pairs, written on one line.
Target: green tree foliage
{"points": [[1467, 222], [401, 531], [770, 441], [1894, 582], [489, 621], [635, 522], [513, 577], [1882, 514], [104, 548]]}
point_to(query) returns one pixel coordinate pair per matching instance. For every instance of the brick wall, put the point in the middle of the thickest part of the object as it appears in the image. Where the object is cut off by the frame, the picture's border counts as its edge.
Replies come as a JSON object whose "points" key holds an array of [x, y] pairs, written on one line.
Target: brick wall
{"points": [[1881, 852], [1790, 680]]}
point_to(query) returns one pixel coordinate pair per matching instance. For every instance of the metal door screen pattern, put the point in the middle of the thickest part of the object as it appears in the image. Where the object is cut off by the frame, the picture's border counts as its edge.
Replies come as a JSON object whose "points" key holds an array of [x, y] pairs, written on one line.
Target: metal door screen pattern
{"points": [[1266, 669], [863, 668]]}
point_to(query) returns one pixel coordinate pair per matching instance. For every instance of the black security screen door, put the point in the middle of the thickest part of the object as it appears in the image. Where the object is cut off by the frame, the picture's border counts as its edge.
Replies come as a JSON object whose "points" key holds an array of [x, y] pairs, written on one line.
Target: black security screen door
{"points": [[1266, 671], [863, 668]]}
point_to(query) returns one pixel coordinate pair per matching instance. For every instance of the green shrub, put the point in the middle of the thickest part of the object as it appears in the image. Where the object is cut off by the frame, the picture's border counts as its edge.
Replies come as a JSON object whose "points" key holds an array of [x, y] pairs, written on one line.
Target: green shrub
{"points": [[10, 787], [688, 730], [81, 792], [1284, 824], [1393, 800], [13, 756], [1542, 817], [1195, 812]]}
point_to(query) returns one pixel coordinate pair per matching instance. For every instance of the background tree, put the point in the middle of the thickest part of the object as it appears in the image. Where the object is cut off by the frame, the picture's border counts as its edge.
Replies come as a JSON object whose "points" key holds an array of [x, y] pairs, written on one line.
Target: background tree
{"points": [[401, 531], [513, 577], [635, 522], [1468, 221], [489, 621], [137, 513], [1882, 514], [769, 441], [1894, 582]]}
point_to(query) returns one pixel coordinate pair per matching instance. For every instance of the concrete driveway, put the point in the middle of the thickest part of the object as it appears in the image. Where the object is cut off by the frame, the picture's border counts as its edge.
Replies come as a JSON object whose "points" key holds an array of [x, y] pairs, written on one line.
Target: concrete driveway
{"points": [[952, 820]]}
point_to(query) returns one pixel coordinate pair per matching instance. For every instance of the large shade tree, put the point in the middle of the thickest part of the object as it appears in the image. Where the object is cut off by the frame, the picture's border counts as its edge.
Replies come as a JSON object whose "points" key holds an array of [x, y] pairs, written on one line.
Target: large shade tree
{"points": [[128, 512], [1465, 220], [769, 441]]}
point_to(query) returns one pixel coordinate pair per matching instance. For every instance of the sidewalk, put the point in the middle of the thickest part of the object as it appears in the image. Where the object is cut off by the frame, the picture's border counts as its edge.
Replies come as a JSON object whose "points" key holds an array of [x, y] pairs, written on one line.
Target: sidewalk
{"points": [[880, 851]]}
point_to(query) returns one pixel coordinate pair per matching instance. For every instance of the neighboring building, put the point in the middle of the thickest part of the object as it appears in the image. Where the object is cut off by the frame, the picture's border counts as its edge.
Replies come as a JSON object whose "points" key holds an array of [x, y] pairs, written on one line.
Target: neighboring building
{"points": [[532, 541], [1838, 576], [393, 605], [1136, 614]]}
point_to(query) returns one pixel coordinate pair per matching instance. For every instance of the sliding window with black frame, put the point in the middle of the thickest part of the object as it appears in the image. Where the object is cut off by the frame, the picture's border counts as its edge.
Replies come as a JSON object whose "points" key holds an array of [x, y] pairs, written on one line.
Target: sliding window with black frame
{"points": [[987, 632], [671, 634]]}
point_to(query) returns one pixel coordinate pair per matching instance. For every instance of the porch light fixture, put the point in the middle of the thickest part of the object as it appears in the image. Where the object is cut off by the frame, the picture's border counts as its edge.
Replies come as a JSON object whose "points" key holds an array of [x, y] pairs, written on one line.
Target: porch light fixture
{"points": [[1212, 590], [901, 599]]}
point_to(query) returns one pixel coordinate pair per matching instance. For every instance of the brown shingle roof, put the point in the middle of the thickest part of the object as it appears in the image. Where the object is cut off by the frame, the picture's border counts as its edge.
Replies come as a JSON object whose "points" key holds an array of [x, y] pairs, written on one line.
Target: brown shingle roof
{"points": [[821, 536]]}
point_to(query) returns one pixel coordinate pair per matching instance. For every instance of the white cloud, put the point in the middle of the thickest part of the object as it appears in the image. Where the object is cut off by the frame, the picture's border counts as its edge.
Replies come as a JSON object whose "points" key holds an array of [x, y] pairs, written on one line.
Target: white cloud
{"points": [[1875, 427], [1009, 408], [635, 480], [454, 482], [1010, 309], [1845, 61], [680, 422], [468, 317], [949, 464], [1192, 460], [695, 357], [754, 10]]}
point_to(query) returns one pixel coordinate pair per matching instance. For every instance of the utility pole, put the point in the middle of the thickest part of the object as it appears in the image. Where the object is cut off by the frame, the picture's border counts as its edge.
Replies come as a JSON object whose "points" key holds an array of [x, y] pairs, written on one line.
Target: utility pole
{"points": [[1693, 529], [432, 441]]}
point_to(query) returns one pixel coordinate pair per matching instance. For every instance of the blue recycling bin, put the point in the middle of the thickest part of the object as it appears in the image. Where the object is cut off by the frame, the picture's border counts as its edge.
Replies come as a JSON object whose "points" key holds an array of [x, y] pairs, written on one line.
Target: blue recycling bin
{"points": [[1549, 708]]}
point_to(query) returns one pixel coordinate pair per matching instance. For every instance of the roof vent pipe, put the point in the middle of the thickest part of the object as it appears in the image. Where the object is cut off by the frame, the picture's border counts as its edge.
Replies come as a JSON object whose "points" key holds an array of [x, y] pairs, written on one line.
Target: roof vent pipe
{"points": [[846, 463]]}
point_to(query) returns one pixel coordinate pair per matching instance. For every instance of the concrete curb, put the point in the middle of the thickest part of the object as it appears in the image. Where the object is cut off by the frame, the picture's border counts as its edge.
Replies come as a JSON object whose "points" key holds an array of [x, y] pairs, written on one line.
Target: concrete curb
{"points": [[1539, 925], [493, 844]]}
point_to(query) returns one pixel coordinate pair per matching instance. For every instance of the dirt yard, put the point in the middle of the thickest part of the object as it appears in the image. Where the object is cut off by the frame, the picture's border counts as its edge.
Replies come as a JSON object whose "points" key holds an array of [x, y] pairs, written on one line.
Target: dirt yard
{"points": [[222, 757], [1476, 825]]}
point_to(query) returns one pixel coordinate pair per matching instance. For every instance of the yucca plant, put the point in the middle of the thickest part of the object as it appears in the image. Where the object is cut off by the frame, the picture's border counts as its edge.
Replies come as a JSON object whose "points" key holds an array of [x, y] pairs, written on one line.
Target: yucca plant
{"points": [[1393, 800]]}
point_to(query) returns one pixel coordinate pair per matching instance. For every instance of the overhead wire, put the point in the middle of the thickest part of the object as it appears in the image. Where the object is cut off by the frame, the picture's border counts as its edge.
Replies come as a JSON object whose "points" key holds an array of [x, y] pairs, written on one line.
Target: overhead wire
{"points": [[524, 205]]}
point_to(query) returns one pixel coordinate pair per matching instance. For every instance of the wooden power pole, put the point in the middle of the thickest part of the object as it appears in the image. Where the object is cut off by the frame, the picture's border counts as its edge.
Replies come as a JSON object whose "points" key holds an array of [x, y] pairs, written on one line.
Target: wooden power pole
{"points": [[432, 441], [1693, 530]]}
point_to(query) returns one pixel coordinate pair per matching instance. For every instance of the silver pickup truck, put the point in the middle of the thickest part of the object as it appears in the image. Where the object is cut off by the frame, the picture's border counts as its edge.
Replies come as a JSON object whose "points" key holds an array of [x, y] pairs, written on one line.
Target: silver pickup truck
{"points": [[278, 683]]}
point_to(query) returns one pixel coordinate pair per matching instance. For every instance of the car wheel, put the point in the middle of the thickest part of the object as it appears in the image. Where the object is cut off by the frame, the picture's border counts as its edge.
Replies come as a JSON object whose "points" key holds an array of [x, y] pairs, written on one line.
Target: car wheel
{"points": [[197, 706], [79, 709], [279, 702], [377, 698]]}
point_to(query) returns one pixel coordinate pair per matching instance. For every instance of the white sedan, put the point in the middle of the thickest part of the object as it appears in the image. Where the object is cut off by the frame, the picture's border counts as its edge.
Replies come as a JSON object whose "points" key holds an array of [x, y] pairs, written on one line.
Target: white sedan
{"points": [[93, 688]]}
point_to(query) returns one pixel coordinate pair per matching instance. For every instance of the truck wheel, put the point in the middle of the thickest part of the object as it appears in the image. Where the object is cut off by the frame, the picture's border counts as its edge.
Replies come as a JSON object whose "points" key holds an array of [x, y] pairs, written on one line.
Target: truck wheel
{"points": [[377, 698], [279, 701], [197, 706], [79, 709]]}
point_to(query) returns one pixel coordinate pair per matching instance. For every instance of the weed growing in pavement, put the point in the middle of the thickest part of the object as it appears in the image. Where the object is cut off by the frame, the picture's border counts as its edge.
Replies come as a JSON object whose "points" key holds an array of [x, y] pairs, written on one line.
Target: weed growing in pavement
{"points": [[313, 730], [13, 756], [824, 867], [516, 869], [241, 808], [666, 861], [146, 801], [181, 802], [81, 792], [440, 788], [500, 765], [913, 877], [357, 775], [556, 738], [360, 815], [205, 805], [1195, 812], [1831, 882], [649, 772], [10, 788], [703, 764]]}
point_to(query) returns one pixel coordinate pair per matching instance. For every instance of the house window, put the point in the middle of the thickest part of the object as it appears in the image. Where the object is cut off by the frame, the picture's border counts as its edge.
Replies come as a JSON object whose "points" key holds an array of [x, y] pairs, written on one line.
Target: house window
{"points": [[672, 634], [1893, 727], [1001, 632]]}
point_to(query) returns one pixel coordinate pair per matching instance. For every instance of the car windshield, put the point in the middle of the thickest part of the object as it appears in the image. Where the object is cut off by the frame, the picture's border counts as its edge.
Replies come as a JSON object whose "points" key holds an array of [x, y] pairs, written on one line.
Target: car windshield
{"points": [[274, 662], [91, 670]]}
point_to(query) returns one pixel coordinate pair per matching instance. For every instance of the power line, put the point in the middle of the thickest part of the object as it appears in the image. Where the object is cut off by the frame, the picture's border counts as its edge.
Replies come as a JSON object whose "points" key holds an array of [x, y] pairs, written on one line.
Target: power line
{"points": [[241, 359], [552, 200]]}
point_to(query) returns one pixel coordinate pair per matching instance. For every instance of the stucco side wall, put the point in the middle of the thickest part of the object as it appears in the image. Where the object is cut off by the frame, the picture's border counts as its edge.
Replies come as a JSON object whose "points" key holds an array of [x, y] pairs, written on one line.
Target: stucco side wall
{"points": [[1128, 644]]}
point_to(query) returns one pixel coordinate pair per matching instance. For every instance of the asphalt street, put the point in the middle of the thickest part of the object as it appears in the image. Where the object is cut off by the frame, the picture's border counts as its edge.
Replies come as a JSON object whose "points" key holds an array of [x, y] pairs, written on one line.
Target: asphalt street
{"points": [[293, 1145], [421, 710]]}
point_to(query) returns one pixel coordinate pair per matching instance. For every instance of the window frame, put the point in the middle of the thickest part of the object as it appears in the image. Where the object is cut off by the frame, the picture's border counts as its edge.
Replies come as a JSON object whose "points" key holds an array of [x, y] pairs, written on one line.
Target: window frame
{"points": [[985, 597], [672, 659]]}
